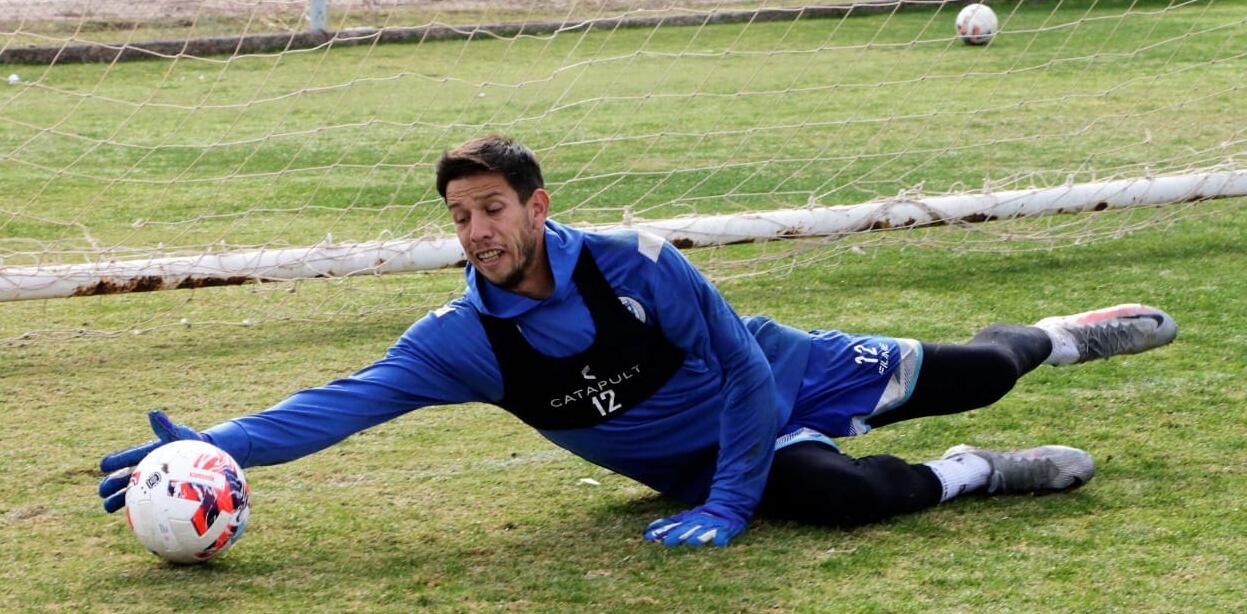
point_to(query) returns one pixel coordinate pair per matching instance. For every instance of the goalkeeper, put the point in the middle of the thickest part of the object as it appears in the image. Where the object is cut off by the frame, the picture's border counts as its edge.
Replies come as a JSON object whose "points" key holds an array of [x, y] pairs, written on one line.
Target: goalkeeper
{"points": [[614, 347]]}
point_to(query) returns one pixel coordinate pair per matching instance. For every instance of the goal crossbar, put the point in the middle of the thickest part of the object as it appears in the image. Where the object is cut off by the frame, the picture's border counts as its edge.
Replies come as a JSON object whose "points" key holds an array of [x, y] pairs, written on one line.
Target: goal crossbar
{"points": [[410, 255]]}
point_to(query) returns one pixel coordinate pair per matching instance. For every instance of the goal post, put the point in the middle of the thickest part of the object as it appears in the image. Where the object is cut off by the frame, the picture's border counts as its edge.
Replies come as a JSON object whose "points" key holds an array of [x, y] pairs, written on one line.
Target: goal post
{"points": [[406, 256]]}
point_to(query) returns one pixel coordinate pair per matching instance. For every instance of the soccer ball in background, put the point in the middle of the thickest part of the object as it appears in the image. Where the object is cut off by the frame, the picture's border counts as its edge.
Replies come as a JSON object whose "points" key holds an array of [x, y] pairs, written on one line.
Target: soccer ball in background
{"points": [[976, 24], [187, 501]]}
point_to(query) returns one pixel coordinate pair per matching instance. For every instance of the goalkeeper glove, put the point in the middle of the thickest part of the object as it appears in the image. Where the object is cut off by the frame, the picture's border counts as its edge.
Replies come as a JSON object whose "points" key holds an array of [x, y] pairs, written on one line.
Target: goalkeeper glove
{"points": [[120, 464], [706, 524]]}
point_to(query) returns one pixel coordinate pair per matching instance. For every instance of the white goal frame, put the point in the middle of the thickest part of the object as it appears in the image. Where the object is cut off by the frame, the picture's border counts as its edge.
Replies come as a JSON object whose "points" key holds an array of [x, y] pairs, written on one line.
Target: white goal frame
{"points": [[404, 256]]}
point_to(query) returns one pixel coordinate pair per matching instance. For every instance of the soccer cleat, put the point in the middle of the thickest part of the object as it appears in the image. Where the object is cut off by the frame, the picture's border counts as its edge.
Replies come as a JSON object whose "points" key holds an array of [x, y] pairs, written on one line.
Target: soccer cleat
{"points": [[1124, 329], [1035, 470]]}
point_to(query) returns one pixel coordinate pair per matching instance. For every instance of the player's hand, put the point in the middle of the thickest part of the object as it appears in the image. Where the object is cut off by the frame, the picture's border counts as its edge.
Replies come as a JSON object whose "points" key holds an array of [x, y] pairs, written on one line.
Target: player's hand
{"points": [[120, 464], [695, 528]]}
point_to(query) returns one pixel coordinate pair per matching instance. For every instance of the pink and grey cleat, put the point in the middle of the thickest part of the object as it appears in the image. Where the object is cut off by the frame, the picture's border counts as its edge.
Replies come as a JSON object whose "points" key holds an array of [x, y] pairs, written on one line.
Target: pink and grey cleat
{"points": [[1039, 470], [1123, 329]]}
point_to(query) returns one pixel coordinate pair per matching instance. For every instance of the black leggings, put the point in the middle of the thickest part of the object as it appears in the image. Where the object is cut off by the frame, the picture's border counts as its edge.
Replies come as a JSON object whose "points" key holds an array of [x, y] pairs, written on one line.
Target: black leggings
{"points": [[815, 483]]}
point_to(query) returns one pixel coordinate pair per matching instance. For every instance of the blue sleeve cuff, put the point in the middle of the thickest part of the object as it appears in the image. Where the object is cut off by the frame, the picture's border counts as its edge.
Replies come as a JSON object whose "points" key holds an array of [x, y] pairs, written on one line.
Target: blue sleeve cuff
{"points": [[231, 437]]}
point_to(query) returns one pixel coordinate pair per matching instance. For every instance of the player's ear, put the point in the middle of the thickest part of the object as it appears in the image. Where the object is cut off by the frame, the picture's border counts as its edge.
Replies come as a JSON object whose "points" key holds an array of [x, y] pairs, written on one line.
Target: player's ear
{"points": [[539, 206]]}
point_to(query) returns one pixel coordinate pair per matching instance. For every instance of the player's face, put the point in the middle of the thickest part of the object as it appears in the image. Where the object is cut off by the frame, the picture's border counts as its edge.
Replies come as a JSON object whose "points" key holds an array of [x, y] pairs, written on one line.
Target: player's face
{"points": [[503, 238]]}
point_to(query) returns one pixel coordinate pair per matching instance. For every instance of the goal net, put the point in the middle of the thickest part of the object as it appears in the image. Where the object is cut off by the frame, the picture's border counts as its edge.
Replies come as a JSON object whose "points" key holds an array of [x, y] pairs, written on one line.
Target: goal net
{"points": [[181, 146]]}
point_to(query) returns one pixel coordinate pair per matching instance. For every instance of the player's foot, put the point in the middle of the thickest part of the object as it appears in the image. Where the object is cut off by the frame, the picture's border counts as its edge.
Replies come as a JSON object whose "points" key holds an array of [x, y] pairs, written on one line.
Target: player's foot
{"points": [[1123, 329], [1035, 470]]}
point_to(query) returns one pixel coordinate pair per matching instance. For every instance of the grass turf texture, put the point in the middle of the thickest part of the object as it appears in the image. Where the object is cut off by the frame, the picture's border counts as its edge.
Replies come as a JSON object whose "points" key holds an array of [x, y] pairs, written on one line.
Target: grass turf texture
{"points": [[464, 508]]}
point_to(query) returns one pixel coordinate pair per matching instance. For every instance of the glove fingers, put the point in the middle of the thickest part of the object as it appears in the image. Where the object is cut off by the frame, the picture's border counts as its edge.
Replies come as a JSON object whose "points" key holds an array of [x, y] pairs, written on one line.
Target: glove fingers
{"points": [[692, 528], [706, 537], [657, 529], [164, 428], [115, 502], [128, 458], [114, 482], [113, 487], [679, 535], [699, 537]]}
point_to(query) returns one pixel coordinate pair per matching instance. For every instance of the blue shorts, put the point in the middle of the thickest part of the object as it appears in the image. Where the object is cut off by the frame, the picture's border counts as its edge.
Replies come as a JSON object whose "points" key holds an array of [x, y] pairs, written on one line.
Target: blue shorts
{"points": [[850, 379]]}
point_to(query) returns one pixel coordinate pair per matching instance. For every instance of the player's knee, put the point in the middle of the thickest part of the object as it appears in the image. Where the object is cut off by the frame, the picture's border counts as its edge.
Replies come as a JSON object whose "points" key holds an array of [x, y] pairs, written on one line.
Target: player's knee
{"points": [[966, 377], [1024, 346], [821, 487], [995, 375], [867, 496]]}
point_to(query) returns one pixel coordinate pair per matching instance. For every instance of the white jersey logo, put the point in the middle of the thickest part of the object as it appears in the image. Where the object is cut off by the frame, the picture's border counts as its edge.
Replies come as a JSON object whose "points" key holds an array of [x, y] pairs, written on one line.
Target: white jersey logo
{"points": [[634, 306], [585, 373]]}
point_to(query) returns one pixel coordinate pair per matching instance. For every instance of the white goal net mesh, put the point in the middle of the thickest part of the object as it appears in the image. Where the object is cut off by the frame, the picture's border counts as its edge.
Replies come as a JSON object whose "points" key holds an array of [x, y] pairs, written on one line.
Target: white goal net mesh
{"points": [[243, 134]]}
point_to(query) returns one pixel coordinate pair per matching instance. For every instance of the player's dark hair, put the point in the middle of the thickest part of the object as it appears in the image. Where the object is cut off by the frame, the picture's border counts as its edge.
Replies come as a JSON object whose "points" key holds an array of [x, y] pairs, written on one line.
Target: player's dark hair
{"points": [[492, 154]]}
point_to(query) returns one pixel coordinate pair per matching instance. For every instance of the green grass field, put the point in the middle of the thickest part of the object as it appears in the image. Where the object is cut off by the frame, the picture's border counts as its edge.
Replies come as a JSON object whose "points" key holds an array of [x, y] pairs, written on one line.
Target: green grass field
{"points": [[464, 508]]}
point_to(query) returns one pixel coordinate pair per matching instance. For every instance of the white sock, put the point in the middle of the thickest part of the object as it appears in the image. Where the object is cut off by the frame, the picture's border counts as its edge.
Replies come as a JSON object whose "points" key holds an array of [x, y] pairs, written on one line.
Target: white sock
{"points": [[960, 474], [1064, 349]]}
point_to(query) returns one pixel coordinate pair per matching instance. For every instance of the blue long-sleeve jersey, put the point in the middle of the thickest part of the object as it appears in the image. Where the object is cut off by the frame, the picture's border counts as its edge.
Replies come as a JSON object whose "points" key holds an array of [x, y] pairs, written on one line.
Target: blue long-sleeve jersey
{"points": [[706, 435]]}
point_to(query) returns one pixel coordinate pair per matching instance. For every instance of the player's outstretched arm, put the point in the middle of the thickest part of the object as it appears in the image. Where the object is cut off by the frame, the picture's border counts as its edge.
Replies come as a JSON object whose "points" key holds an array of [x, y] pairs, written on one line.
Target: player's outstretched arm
{"points": [[119, 464], [413, 374]]}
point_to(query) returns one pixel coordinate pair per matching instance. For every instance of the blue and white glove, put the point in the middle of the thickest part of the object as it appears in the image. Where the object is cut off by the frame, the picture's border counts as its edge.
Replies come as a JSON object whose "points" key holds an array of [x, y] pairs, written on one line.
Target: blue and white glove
{"points": [[120, 464], [706, 524]]}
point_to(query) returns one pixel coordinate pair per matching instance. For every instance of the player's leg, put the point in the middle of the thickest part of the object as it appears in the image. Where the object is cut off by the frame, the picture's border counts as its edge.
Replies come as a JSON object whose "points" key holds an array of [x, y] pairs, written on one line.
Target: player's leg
{"points": [[957, 378], [813, 482]]}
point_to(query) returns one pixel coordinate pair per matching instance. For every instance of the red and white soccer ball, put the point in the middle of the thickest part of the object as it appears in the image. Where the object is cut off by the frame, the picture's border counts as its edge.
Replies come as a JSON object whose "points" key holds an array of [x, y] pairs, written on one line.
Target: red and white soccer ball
{"points": [[976, 24], [188, 501]]}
